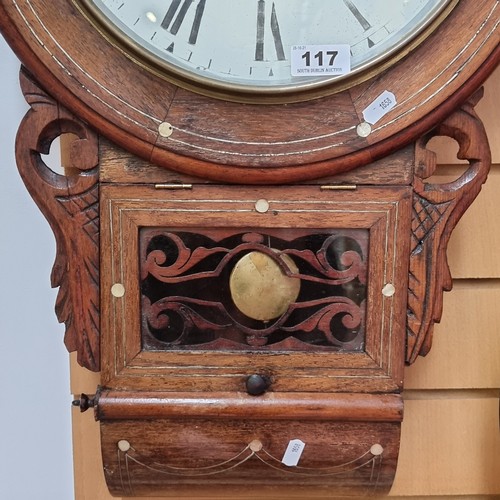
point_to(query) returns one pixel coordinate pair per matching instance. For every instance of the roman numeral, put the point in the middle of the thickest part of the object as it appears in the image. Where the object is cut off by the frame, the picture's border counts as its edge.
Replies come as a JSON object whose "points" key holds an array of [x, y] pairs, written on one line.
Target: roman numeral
{"points": [[174, 5], [275, 29], [261, 29], [200, 8], [178, 11], [357, 14]]}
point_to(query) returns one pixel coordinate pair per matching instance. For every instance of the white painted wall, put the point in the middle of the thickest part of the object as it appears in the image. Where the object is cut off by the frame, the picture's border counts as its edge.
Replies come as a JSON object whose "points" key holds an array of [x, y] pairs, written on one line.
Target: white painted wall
{"points": [[35, 401]]}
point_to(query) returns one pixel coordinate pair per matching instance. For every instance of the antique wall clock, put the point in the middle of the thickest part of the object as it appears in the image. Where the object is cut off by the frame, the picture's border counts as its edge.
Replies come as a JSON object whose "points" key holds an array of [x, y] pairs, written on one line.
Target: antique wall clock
{"points": [[248, 248]]}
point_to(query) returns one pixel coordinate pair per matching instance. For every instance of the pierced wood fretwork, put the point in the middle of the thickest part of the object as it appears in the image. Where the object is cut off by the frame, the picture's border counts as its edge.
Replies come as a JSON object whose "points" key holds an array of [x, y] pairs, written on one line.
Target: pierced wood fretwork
{"points": [[437, 208], [70, 203], [189, 277]]}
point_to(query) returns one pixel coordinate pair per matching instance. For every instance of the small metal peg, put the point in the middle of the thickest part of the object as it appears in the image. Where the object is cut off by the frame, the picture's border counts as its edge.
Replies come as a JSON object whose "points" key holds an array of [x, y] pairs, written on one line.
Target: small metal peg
{"points": [[257, 384], [85, 402]]}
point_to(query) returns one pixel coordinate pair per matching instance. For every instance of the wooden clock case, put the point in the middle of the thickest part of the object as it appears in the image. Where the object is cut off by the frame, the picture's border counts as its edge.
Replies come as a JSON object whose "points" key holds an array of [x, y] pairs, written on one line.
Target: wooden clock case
{"points": [[160, 170]]}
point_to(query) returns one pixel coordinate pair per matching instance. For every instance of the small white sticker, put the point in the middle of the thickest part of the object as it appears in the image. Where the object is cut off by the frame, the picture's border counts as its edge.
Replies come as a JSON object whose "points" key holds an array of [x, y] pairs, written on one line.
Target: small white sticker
{"points": [[293, 452], [379, 107], [321, 60]]}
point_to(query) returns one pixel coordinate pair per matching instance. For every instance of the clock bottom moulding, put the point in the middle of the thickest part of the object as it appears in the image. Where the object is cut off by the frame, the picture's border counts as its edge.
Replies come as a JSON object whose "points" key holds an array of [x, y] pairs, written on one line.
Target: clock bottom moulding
{"points": [[189, 449]]}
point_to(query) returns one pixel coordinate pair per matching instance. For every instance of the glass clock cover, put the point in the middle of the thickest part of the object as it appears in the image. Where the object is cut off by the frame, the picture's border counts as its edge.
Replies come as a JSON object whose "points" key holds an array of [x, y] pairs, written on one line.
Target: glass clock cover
{"points": [[265, 45]]}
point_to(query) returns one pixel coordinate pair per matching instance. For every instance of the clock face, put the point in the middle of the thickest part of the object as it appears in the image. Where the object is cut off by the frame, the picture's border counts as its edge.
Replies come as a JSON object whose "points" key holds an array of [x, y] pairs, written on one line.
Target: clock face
{"points": [[267, 46]]}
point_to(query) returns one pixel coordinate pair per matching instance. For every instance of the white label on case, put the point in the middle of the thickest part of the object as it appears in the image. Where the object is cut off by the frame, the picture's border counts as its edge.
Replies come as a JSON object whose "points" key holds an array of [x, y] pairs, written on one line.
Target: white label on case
{"points": [[379, 107], [293, 452], [320, 60]]}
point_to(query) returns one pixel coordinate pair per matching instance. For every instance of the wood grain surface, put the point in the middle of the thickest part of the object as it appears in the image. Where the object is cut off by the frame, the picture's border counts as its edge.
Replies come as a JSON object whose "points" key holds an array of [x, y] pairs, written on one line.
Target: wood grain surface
{"points": [[409, 207], [266, 143], [450, 442]]}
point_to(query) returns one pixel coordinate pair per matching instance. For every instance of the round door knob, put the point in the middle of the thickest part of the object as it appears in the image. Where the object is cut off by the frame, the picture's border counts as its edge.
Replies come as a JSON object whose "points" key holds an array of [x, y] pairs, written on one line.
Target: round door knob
{"points": [[257, 384]]}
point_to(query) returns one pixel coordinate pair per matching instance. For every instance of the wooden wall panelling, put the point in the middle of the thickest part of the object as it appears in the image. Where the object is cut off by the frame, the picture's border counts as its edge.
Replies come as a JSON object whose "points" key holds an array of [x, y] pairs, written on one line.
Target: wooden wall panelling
{"points": [[450, 445], [474, 244], [488, 110], [466, 349]]}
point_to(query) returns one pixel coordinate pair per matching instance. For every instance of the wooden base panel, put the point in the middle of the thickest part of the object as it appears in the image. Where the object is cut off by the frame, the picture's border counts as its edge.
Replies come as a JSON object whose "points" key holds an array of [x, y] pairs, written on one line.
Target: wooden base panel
{"points": [[167, 457]]}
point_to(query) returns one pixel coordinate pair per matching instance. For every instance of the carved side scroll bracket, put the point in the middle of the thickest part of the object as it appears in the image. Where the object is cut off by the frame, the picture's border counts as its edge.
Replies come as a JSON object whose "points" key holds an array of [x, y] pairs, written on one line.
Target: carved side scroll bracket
{"points": [[70, 204], [437, 208]]}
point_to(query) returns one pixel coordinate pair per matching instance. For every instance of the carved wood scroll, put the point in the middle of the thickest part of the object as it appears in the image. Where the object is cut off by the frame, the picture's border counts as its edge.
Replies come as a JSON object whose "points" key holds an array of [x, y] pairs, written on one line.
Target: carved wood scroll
{"points": [[437, 208], [70, 204]]}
